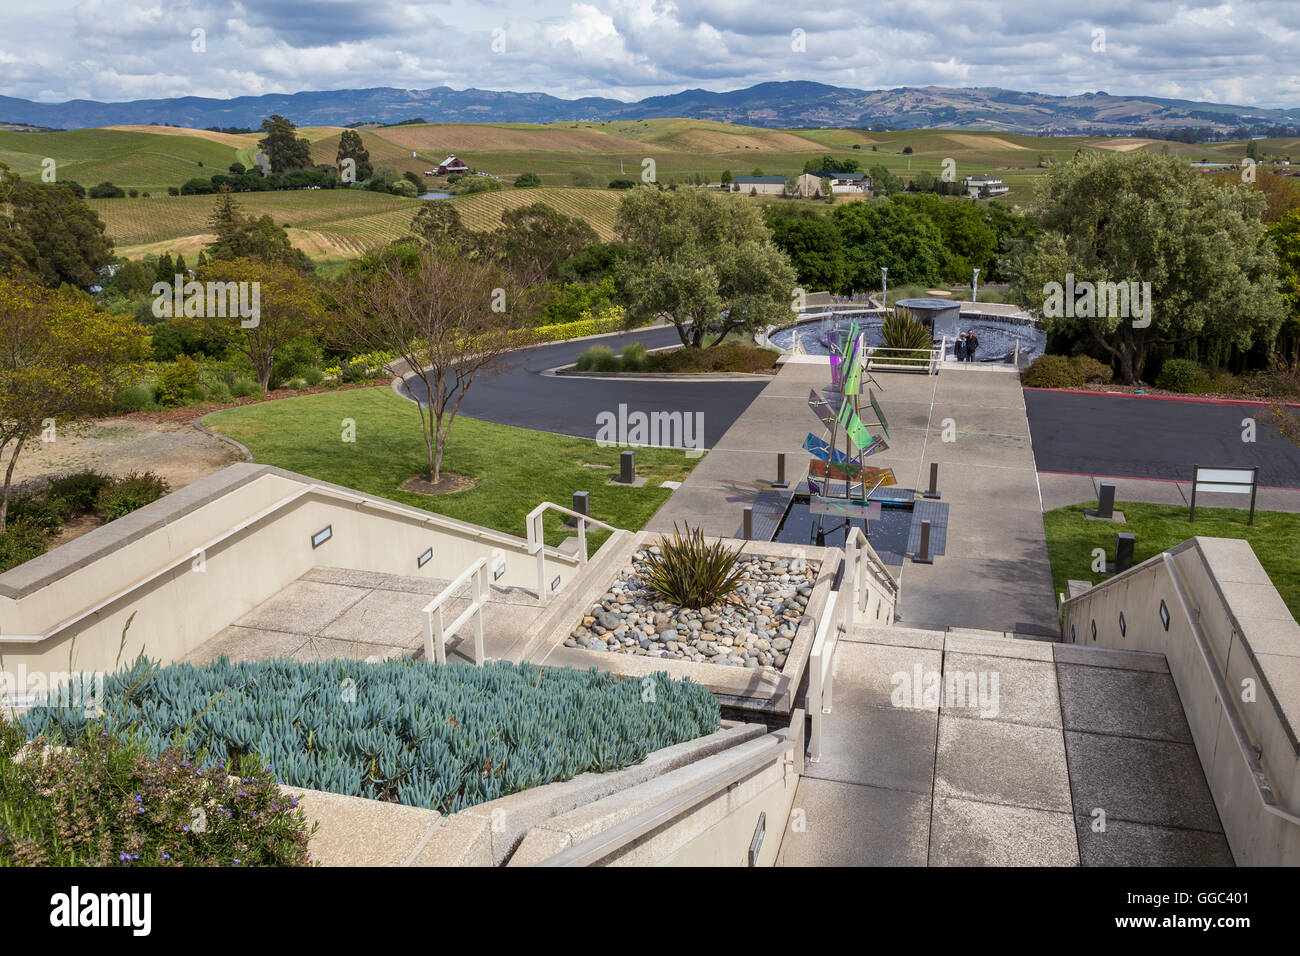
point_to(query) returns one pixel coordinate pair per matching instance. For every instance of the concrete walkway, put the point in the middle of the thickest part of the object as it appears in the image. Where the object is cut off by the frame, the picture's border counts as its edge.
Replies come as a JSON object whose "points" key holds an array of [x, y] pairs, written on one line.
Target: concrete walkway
{"points": [[1055, 756], [995, 573]]}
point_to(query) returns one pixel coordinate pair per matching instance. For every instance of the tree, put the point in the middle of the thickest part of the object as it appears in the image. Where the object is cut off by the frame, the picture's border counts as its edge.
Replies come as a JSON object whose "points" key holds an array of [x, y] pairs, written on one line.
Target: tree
{"points": [[236, 236], [283, 150], [351, 147], [883, 182], [1285, 235], [289, 308], [704, 260], [893, 235], [48, 233], [436, 310], [533, 241], [527, 181], [726, 177], [61, 359], [439, 223], [813, 243], [1141, 218]]}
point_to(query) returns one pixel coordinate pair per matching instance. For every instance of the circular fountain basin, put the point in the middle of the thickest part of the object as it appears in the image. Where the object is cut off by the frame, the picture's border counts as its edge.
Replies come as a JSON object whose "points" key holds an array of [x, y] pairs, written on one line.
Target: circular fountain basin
{"points": [[998, 334]]}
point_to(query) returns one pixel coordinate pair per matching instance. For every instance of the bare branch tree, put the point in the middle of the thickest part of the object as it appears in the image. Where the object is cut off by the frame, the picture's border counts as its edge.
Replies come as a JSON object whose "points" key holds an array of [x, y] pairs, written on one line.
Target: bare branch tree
{"points": [[447, 317]]}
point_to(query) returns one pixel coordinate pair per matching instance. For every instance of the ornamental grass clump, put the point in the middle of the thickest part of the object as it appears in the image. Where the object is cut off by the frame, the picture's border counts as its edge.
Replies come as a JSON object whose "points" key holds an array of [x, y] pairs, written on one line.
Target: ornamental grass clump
{"points": [[691, 572]]}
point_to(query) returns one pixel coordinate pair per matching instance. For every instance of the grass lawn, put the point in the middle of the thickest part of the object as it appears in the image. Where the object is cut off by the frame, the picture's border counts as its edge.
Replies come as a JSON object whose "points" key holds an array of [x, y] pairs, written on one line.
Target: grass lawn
{"points": [[1274, 538], [516, 468]]}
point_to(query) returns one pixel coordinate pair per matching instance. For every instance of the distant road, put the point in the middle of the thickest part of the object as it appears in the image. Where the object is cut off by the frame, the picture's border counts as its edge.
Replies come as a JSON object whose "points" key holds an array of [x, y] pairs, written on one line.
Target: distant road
{"points": [[520, 395], [1150, 438]]}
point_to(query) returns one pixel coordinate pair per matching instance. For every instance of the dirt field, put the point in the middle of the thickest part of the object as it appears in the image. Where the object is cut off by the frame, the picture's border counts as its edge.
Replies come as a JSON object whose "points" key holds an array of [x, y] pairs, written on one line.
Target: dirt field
{"points": [[117, 446]]}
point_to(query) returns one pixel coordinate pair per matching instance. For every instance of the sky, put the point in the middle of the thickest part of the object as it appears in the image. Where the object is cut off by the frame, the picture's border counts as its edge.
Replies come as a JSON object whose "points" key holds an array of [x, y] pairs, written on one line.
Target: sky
{"points": [[1245, 53]]}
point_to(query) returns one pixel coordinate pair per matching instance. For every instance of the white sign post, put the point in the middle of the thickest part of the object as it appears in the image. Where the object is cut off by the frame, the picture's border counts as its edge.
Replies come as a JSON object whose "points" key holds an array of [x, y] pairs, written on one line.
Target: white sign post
{"points": [[1225, 481]]}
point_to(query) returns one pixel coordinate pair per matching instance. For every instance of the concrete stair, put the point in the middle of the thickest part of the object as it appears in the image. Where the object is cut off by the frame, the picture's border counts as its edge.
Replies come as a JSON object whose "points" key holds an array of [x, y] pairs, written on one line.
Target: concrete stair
{"points": [[971, 747]]}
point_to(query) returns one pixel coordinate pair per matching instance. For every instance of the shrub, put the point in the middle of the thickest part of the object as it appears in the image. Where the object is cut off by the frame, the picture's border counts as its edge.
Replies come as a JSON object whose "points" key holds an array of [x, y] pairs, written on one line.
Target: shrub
{"points": [[1182, 375], [245, 388], [410, 732], [79, 490], [1090, 370], [129, 493], [527, 181], [218, 392], [21, 542], [106, 191], [313, 377], [720, 358], [1051, 371], [904, 332], [179, 382], [598, 358], [294, 358], [692, 573], [102, 801], [39, 512], [633, 357]]}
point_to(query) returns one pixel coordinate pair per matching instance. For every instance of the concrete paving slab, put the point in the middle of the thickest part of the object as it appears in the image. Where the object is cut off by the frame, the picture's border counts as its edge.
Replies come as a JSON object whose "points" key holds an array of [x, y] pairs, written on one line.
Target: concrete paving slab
{"points": [[381, 617], [1060, 491], [967, 833], [247, 644], [975, 448], [844, 824], [890, 747], [992, 761], [325, 648], [1135, 844], [1142, 781], [976, 420], [871, 673], [304, 607], [1108, 657], [1001, 688], [1129, 703]]}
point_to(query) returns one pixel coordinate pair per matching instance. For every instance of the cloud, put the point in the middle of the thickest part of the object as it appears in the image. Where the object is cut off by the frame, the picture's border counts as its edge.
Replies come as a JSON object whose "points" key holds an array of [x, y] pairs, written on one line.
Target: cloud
{"points": [[1244, 51]]}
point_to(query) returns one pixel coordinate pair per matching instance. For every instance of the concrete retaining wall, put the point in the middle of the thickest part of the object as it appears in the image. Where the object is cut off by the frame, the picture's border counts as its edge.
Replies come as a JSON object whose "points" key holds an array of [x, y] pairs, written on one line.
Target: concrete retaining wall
{"points": [[183, 607], [1251, 643]]}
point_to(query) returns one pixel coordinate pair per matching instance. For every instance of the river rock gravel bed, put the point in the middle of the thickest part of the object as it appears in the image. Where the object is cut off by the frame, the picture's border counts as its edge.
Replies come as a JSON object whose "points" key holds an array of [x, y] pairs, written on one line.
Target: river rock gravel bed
{"points": [[752, 628]]}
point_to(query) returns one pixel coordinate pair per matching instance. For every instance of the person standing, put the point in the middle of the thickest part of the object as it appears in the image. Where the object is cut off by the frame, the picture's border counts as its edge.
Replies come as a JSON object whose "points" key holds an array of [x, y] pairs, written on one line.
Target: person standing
{"points": [[972, 344], [959, 349]]}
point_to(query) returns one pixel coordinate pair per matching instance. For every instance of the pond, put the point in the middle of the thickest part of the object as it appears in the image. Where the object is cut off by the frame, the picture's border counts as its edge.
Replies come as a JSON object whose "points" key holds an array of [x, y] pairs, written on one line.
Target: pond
{"points": [[436, 195], [997, 334]]}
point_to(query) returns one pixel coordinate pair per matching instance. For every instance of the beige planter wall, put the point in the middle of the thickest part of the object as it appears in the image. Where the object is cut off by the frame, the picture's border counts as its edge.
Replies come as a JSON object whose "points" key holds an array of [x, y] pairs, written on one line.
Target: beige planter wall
{"points": [[1253, 645], [183, 607]]}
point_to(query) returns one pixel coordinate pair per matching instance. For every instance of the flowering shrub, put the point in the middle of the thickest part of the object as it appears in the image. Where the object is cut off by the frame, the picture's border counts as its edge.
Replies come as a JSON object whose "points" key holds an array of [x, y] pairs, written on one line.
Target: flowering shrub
{"points": [[102, 801]]}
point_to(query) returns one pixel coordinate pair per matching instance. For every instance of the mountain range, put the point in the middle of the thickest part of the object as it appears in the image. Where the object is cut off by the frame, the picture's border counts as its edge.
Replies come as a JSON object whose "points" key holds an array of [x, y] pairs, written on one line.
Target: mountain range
{"points": [[783, 105]]}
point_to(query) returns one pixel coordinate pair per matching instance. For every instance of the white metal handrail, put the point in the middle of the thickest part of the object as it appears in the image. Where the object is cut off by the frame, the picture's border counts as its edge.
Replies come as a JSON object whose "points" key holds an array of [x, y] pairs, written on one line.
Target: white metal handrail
{"points": [[859, 555], [537, 539], [906, 359], [436, 633], [821, 667]]}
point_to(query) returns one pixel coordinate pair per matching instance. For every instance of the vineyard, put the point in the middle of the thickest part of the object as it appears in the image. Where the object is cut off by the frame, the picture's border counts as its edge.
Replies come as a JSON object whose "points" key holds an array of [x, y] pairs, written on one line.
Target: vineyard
{"points": [[133, 222], [482, 212]]}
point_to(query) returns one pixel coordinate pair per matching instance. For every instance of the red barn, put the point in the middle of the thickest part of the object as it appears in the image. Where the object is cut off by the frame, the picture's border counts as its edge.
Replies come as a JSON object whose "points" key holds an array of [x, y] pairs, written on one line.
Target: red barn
{"points": [[452, 165]]}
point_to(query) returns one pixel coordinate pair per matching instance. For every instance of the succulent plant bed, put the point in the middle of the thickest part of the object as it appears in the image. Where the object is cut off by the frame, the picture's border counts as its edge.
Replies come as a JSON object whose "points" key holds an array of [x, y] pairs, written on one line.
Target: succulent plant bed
{"points": [[754, 626], [402, 731]]}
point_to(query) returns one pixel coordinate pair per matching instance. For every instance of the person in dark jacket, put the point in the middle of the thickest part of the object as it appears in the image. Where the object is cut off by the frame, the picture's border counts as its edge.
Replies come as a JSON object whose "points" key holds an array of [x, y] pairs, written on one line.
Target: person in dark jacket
{"points": [[972, 344], [959, 349]]}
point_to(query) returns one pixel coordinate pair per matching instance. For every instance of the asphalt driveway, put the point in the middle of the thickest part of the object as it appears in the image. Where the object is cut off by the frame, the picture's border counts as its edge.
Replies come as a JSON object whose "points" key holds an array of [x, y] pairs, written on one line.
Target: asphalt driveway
{"points": [[520, 395], [1152, 438]]}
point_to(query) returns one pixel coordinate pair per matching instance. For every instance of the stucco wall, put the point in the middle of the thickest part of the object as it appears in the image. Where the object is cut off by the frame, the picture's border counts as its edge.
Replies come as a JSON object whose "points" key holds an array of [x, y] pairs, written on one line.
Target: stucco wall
{"points": [[1251, 642]]}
